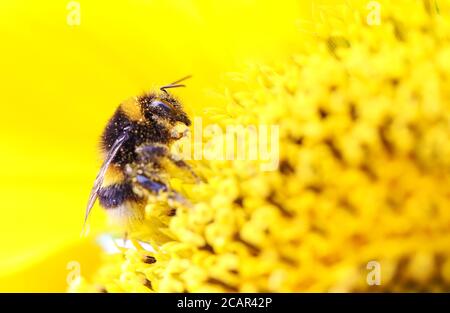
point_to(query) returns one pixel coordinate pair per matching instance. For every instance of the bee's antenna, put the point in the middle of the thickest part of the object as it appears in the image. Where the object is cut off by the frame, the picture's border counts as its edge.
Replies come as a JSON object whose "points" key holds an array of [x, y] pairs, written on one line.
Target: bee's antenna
{"points": [[175, 84]]}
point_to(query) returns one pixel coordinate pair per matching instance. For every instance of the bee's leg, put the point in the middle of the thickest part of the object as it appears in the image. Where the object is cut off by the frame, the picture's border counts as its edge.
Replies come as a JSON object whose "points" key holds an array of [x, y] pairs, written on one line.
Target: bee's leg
{"points": [[151, 185], [123, 247], [156, 187], [182, 164], [125, 238], [152, 153]]}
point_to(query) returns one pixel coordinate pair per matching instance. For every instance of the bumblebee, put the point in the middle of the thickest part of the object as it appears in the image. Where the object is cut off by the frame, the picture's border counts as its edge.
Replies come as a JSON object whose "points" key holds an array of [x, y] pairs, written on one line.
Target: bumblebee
{"points": [[134, 144]]}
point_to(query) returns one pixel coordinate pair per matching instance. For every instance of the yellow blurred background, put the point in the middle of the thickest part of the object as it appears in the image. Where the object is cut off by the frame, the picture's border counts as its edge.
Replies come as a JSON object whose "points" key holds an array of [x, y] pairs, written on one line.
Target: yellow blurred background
{"points": [[60, 83]]}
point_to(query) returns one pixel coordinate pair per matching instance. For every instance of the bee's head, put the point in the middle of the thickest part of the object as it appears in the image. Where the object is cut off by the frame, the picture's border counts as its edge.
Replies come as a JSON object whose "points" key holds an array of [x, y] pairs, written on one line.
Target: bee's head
{"points": [[163, 108]]}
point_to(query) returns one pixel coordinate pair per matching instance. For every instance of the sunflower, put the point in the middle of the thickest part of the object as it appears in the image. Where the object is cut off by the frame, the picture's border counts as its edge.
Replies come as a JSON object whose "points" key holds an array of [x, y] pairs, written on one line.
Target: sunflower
{"points": [[356, 91]]}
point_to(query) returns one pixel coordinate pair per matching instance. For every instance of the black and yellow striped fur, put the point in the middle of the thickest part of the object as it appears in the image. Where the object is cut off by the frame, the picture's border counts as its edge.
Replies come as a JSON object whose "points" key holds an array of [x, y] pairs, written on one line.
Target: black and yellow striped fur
{"points": [[138, 134]]}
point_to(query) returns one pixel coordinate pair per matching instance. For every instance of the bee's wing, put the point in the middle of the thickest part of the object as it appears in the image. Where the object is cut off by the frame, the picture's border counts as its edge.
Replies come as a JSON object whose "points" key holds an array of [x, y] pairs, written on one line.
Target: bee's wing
{"points": [[99, 179]]}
